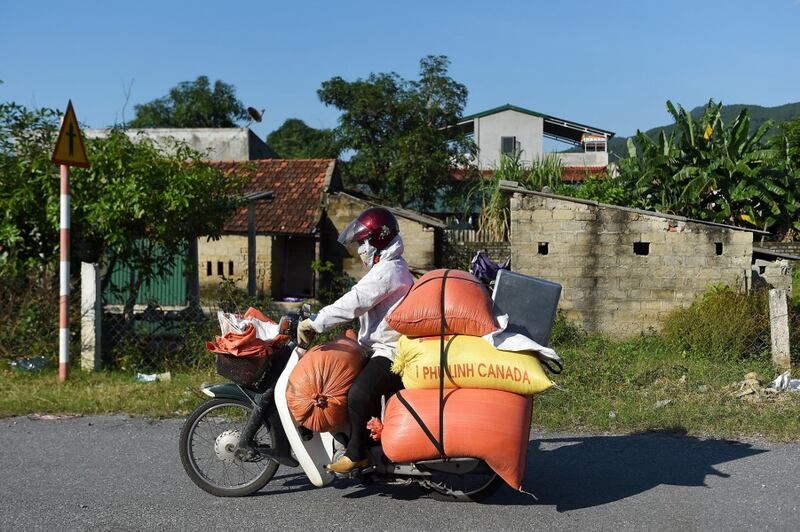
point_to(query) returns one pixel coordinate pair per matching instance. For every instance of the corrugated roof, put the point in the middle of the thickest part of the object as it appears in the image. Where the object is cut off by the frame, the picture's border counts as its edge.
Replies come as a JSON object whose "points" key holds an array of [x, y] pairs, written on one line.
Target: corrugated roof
{"points": [[513, 186], [553, 126], [773, 254], [298, 184]]}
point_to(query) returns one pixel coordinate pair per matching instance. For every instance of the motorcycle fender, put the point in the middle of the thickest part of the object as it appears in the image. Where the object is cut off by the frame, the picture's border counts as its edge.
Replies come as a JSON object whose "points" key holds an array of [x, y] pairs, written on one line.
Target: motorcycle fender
{"points": [[228, 391]]}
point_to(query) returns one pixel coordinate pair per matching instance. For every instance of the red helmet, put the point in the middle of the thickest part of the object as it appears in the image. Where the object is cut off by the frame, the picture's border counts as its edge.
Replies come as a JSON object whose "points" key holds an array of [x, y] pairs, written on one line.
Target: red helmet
{"points": [[376, 225]]}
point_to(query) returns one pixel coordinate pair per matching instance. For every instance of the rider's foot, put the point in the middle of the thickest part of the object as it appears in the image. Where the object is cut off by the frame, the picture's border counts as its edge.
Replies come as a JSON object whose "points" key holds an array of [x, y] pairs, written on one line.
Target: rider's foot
{"points": [[344, 465]]}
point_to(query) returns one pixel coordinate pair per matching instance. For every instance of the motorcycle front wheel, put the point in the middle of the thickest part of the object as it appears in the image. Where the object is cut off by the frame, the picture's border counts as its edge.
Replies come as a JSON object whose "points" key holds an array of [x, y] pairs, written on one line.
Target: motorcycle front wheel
{"points": [[207, 443]]}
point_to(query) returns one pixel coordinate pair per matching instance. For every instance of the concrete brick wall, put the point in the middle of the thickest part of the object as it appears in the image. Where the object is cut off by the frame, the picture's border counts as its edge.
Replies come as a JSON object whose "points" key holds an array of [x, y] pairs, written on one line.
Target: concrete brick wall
{"points": [[233, 249], [458, 254], [606, 285], [790, 248], [419, 240], [773, 274]]}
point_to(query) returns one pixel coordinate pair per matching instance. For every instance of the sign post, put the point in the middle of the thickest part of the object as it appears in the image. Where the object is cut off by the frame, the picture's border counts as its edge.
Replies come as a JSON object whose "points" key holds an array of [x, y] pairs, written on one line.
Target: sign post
{"points": [[69, 151]]}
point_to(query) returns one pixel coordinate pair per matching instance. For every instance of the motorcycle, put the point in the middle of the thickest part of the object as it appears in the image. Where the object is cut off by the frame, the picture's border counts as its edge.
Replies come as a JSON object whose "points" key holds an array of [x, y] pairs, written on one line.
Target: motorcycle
{"points": [[233, 443]]}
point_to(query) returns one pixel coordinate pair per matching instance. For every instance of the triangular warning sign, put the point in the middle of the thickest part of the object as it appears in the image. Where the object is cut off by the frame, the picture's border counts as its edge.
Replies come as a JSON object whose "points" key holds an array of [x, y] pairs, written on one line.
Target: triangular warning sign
{"points": [[69, 146]]}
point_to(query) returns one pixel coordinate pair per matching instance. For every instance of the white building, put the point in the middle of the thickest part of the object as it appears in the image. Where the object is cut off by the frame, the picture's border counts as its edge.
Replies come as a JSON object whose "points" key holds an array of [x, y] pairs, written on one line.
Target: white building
{"points": [[507, 128]]}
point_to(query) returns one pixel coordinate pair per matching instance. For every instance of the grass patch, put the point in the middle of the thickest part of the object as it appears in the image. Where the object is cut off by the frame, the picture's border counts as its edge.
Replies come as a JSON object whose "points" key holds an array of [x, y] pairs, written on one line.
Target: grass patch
{"points": [[100, 393], [615, 387]]}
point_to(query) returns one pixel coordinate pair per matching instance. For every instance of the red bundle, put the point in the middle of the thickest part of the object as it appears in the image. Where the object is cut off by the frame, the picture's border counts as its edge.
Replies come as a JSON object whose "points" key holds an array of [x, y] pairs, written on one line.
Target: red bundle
{"points": [[246, 343]]}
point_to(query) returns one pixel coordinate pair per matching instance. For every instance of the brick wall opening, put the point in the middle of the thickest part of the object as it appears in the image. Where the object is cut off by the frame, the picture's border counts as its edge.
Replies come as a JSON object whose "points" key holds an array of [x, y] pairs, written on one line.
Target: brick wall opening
{"points": [[718, 248], [208, 269], [543, 248], [220, 271], [641, 248]]}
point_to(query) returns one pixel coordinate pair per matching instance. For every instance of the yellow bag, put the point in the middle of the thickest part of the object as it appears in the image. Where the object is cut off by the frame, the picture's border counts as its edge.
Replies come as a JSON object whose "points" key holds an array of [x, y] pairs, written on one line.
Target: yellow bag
{"points": [[472, 362]]}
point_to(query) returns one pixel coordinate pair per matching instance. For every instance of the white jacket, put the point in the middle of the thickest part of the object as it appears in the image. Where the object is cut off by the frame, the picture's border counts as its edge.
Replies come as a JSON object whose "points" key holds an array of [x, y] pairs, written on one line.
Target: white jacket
{"points": [[371, 300]]}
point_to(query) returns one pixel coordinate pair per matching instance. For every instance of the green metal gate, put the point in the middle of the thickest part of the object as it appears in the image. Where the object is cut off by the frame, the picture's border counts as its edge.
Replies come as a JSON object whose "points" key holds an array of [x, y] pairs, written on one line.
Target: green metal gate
{"points": [[166, 290]]}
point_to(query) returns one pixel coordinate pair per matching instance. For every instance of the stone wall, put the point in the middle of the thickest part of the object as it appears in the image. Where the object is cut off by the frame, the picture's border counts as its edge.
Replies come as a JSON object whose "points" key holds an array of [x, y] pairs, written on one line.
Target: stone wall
{"points": [[621, 270], [230, 253], [773, 274], [790, 248], [459, 254], [419, 240]]}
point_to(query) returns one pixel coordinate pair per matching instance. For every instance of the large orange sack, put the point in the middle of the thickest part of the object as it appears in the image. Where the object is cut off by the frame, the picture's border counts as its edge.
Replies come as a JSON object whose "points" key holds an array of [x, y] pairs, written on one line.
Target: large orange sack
{"points": [[486, 424], [317, 388], [467, 306]]}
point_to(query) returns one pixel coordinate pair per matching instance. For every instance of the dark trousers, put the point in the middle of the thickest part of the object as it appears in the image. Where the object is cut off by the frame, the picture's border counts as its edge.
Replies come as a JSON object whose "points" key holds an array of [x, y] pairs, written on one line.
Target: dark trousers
{"points": [[364, 401]]}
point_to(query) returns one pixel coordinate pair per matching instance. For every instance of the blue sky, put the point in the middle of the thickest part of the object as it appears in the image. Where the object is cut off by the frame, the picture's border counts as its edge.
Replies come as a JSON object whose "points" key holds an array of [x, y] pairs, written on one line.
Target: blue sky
{"points": [[610, 64]]}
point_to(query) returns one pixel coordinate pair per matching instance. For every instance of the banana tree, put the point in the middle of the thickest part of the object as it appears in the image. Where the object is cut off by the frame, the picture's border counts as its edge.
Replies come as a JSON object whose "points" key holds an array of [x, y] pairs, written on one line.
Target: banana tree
{"points": [[707, 170]]}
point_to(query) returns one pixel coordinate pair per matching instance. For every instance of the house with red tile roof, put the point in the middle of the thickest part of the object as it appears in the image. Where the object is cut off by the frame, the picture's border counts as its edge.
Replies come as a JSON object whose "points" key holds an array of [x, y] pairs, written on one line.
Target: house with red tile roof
{"points": [[298, 226], [287, 227]]}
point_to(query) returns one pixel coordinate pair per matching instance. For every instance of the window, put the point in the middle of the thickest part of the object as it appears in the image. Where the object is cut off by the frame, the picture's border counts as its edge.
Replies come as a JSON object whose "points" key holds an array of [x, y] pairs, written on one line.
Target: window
{"points": [[508, 145], [641, 248], [220, 271], [543, 248], [230, 267], [208, 268], [718, 247]]}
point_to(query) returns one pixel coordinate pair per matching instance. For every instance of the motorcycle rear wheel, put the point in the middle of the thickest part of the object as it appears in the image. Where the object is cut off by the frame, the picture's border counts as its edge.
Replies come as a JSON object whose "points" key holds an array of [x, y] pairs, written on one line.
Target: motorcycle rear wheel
{"points": [[463, 488], [207, 441]]}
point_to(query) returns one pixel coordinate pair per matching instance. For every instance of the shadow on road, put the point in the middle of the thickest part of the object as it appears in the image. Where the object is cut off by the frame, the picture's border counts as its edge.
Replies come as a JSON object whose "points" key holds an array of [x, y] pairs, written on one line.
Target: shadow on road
{"points": [[586, 471], [580, 472]]}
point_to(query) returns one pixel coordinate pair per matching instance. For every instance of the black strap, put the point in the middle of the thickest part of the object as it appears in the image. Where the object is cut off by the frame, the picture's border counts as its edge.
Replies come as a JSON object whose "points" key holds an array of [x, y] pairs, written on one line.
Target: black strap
{"points": [[559, 367], [438, 444], [468, 280], [442, 364], [421, 423]]}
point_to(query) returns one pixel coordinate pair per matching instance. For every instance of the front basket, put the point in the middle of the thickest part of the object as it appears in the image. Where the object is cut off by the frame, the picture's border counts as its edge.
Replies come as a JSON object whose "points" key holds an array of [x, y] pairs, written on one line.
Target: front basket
{"points": [[245, 371]]}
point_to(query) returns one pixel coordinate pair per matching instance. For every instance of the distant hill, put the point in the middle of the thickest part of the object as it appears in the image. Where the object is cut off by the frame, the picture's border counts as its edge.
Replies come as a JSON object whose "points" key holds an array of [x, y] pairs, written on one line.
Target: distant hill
{"points": [[758, 115]]}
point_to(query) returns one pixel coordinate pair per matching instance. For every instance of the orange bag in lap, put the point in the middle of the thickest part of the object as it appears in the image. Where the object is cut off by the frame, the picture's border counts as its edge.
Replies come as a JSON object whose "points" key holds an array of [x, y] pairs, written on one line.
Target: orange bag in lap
{"points": [[467, 306], [317, 389], [486, 424]]}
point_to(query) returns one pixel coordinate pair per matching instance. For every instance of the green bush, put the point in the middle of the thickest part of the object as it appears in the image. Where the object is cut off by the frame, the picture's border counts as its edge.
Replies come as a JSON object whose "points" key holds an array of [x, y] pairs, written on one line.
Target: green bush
{"points": [[566, 333], [723, 324], [29, 316]]}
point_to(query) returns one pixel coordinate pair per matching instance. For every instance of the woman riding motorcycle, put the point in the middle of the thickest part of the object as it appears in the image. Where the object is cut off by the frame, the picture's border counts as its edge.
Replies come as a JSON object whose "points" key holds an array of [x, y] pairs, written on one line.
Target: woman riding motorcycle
{"points": [[375, 237]]}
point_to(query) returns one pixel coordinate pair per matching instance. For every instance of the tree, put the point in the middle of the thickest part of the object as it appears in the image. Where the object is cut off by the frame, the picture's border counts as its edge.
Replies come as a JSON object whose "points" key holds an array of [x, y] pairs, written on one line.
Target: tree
{"points": [[192, 104], [137, 204], [791, 132], [29, 195], [401, 131], [296, 140]]}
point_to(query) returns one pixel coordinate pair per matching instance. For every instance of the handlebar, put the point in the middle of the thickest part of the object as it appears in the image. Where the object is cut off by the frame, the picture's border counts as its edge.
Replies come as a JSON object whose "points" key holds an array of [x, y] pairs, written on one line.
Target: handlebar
{"points": [[289, 322]]}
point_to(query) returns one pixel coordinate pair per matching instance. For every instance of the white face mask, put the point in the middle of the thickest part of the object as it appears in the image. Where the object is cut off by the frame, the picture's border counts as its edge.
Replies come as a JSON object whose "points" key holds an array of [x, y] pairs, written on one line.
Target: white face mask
{"points": [[366, 253]]}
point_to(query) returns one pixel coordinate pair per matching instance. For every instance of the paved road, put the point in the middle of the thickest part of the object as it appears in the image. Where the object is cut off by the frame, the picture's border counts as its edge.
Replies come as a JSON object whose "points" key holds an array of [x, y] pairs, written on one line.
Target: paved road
{"points": [[116, 473]]}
